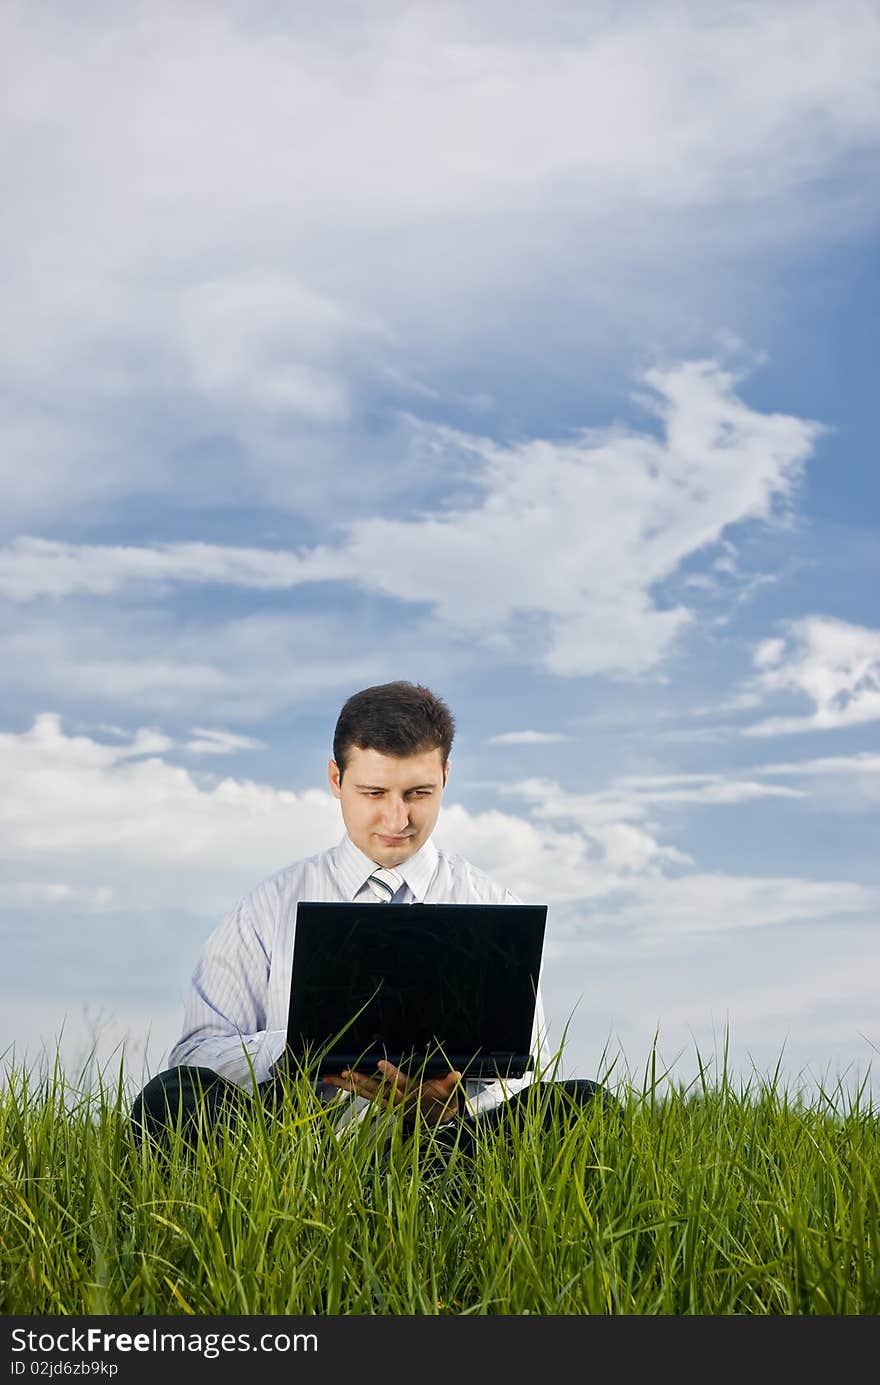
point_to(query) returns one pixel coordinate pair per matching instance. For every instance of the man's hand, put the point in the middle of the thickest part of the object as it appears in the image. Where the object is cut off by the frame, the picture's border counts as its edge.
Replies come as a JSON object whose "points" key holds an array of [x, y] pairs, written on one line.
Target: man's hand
{"points": [[437, 1098]]}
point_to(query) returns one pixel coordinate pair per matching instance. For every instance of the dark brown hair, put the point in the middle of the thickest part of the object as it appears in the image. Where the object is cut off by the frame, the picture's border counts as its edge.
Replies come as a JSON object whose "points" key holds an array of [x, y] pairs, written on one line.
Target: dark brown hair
{"points": [[395, 719]]}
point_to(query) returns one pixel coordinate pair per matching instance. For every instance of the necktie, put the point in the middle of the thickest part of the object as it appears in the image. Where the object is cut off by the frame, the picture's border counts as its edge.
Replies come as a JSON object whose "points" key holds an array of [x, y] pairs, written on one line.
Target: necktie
{"points": [[385, 883]]}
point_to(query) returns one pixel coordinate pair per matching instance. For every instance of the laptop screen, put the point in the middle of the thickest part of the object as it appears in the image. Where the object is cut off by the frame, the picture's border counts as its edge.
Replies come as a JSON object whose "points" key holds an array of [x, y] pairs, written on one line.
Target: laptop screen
{"points": [[428, 986]]}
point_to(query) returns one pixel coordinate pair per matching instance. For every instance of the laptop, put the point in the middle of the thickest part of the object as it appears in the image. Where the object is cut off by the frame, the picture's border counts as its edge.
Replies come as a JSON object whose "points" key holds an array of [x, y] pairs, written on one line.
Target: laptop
{"points": [[430, 987]]}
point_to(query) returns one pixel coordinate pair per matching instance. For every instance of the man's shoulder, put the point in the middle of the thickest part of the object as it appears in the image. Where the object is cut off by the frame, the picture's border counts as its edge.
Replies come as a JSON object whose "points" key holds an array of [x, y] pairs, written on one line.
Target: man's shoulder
{"points": [[464, 877], [291, 880]]}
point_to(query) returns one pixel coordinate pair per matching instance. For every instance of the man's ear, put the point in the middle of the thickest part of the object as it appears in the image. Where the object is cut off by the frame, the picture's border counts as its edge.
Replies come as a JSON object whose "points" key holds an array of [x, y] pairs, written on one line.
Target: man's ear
{"points": [[445, 773], [334, 778]]}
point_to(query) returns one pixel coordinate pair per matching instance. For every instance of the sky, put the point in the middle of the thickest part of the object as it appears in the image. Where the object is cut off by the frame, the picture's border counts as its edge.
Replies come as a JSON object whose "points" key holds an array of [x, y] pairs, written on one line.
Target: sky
{"points": [[524, 352]]}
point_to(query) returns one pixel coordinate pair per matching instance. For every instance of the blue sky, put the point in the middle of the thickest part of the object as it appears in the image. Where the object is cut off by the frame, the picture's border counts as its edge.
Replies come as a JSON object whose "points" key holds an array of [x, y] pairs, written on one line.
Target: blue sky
{"points": [[527, 355]]}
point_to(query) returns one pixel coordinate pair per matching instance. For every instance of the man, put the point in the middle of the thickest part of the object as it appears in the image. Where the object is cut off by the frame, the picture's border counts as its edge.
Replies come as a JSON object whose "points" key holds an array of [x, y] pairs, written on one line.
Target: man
{"points": [[389, 769]]}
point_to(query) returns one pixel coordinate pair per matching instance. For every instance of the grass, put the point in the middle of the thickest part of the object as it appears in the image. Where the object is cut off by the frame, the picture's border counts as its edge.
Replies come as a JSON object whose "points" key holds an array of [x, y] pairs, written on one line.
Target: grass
{"points": [[701, 1200]]}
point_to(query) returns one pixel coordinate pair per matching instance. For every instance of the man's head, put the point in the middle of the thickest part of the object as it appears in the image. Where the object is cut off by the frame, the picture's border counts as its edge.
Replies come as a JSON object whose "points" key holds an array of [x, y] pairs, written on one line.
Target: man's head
{"points": [[389, 768]]}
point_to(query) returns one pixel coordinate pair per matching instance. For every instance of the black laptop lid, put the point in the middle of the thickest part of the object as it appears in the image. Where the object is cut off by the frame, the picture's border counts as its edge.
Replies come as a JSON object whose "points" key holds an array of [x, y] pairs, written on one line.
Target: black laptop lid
{"points": [[427, 986]]}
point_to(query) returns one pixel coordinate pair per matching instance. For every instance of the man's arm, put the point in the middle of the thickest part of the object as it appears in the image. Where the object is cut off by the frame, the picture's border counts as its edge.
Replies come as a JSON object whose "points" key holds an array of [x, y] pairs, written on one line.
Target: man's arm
{"points": [[224, 1025]]}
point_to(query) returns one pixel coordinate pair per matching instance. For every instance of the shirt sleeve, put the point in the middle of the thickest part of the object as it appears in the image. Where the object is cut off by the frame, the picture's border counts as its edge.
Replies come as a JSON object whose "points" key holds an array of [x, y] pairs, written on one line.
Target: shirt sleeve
{"points": [[224, 1026]]}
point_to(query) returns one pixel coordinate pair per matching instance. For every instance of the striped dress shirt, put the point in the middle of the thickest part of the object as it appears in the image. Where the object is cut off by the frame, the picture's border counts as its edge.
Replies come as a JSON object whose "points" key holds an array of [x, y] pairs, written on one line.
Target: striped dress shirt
{"points": [[236, 1012]]}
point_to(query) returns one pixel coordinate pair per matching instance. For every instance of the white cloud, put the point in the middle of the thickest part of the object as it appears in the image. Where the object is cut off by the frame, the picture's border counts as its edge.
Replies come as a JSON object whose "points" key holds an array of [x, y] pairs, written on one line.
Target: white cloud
{"points": [[88, 1038], [836, 783], [766, 655], [700, 788], [101, 810], [705, 735], [37, 893], [265, 343], [845, 784], [527, 738], [33, 567], [630, 799], [623, 822], [793, 994], [191, 270], [97, 816], [208, 742], [834, 664], [536, 862], [862, 763], [241, 669], [790, 88], [94, 808], [666, 909], [606, 518]]}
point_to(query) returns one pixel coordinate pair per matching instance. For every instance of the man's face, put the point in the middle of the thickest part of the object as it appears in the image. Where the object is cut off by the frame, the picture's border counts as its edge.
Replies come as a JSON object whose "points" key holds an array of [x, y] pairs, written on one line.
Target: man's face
{"points": [[389, 803]]}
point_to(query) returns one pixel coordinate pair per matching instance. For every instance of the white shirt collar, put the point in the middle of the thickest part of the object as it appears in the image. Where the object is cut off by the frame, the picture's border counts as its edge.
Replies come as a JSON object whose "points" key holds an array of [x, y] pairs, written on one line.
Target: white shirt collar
{"points": [[354, 868]]}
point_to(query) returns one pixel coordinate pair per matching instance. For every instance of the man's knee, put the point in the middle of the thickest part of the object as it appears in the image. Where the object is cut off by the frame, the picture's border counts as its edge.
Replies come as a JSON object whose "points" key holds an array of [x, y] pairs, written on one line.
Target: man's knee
{"points": [[178, 1098], [576, 1093]]}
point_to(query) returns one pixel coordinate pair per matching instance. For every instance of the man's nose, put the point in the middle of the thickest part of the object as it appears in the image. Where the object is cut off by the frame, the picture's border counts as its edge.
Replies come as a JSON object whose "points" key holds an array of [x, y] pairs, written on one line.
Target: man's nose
{"points": [[396, 815]]}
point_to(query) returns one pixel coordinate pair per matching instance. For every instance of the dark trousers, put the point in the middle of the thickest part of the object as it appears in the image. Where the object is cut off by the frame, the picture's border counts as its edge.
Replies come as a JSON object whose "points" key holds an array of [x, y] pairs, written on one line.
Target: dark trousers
{"points": [[193, 1098]]}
